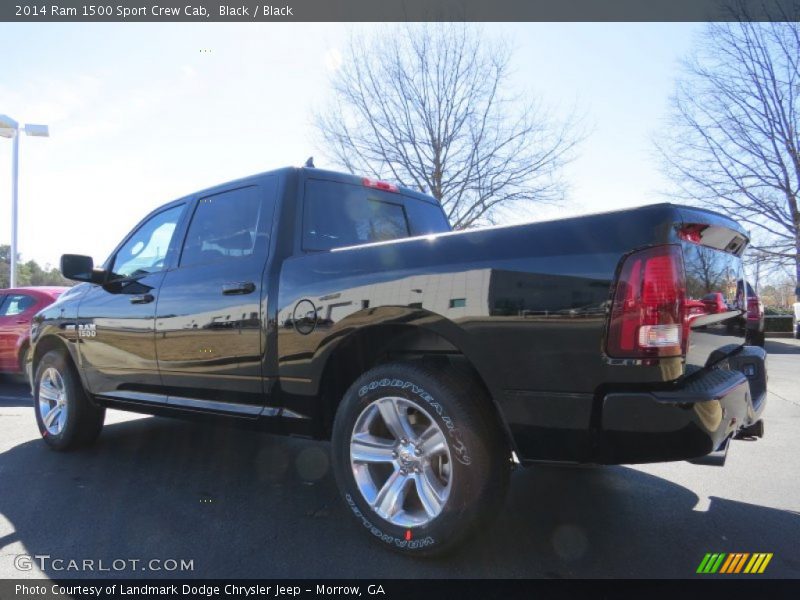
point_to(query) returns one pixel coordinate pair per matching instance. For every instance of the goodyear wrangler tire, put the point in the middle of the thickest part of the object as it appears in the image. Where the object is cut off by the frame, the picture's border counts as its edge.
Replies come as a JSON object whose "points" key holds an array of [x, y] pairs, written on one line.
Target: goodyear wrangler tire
{"points": [[418, 456], [66, 417]]}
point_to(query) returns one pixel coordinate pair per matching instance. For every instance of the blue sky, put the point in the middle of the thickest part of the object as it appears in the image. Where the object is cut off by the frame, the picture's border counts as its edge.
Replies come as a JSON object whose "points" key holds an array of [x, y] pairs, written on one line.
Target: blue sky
{"points": [[139, 115]]}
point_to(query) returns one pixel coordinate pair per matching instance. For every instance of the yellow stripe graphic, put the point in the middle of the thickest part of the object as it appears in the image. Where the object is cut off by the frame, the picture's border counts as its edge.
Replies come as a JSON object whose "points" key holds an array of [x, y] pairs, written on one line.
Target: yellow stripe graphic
{"points": [[734, 562], [758, 562], [765, 563], [749, 567]]}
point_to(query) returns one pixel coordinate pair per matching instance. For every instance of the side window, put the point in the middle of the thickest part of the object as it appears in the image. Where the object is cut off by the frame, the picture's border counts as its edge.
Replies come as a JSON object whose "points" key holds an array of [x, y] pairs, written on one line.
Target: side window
{"points": [[146, 250], [16, 304], [337, 215], [224, 226]]}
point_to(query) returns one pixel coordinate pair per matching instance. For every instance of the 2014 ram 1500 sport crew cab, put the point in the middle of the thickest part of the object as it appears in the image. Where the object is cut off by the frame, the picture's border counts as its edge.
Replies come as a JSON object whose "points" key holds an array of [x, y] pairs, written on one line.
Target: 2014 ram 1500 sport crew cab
{"points": [[326, 305]]}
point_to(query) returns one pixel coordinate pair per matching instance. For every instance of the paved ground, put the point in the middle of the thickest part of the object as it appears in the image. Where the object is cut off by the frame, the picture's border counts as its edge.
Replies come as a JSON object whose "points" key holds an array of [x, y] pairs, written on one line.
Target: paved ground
{"points": [[242, 504]]}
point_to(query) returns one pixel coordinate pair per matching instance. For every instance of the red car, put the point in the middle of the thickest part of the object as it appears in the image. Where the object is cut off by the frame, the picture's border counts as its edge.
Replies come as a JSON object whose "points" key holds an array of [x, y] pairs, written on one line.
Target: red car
{"points": [[17, 307]]}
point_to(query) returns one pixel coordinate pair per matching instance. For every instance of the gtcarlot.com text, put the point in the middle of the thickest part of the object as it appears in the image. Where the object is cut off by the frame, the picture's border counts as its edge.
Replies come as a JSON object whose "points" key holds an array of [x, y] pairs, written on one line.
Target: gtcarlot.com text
{"points": [[27, 562]]}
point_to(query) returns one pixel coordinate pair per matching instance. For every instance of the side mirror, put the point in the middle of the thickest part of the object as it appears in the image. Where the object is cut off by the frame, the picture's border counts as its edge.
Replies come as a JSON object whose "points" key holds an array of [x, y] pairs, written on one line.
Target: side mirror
{"points": [[81, 268]]}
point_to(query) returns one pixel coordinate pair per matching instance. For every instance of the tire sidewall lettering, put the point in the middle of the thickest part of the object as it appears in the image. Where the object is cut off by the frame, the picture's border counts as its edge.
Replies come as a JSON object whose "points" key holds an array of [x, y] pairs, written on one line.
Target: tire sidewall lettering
{"points": [[457, 446], [387, 538]]}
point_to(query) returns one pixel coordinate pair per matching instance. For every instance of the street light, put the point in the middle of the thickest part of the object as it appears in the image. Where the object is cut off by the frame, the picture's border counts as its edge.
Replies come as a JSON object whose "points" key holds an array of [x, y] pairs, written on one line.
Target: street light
{"points": [[9, 128]]}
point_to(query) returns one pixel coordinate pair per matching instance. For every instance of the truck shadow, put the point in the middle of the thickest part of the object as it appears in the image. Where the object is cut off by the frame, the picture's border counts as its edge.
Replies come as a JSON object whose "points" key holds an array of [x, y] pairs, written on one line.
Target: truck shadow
{"points": [[776, 346], [14, 391], [245, 504]]}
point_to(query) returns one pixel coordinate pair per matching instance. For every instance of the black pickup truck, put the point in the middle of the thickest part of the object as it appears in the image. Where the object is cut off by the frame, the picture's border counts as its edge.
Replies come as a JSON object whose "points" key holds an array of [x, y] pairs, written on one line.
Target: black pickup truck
{"points": [[314, 303]]}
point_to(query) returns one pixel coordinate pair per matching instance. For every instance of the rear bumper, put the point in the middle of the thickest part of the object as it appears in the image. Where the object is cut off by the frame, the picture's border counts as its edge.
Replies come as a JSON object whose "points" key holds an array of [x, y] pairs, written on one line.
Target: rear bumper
{"points": [[686, 422]]}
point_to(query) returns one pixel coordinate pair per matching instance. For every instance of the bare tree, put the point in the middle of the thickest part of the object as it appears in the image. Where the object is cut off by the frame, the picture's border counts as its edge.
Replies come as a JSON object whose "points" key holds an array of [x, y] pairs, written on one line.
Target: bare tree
{"points": [[425, 106], [734, 137], [706, 269]]}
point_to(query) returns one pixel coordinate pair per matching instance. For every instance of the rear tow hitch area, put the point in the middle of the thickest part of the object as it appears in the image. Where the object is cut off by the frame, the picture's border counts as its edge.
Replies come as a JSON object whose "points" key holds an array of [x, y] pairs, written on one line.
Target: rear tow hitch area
{"points": [[751, 432], [716, 458]]}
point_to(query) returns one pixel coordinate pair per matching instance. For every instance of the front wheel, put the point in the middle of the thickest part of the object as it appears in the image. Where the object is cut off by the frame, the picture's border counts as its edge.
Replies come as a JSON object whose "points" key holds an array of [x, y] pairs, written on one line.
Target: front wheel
{"points": [[418, 456], [66, 417], [22, 376]]}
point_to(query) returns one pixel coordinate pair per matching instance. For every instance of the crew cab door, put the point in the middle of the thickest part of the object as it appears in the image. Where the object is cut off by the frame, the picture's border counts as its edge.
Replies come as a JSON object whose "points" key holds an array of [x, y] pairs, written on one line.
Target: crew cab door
{"points": [[115, 327], [209, 333]]}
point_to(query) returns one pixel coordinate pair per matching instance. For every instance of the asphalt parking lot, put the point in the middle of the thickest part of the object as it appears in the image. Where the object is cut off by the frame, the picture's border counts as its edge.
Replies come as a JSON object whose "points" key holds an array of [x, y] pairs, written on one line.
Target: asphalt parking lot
{"points": [[245, 504]]}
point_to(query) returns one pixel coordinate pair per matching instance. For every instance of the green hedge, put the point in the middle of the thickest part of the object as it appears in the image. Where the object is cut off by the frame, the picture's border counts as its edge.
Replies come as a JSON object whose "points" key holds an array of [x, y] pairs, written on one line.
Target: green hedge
{"points": [[777, 324]]}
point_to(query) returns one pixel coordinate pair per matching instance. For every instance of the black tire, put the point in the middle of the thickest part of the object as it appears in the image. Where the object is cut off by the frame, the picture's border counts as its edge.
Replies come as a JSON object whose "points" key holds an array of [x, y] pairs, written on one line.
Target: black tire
{"points": [[83, 420], [22, 376], [757, 338], [480, 456]]}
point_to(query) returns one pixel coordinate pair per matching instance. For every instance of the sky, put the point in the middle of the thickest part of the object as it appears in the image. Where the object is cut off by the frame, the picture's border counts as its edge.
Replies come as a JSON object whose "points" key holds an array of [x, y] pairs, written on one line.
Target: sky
{"points": [[143, 113]]}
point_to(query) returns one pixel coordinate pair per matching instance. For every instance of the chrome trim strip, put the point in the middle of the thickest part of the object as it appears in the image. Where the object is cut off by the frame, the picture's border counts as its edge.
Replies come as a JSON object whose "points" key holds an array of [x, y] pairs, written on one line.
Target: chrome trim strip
{"points": [[183, 402], [214, 405], [290, 414], [132, 396]]}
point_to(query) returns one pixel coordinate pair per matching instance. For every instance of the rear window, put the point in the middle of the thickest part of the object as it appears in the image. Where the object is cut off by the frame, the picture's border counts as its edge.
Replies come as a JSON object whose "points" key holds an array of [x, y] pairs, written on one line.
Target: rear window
{"points": [[425, 218], [338, 214]]}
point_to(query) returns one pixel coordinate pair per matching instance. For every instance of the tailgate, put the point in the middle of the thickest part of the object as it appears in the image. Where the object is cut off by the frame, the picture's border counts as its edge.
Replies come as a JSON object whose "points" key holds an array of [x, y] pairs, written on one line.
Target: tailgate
{"points": [[716, 290]]}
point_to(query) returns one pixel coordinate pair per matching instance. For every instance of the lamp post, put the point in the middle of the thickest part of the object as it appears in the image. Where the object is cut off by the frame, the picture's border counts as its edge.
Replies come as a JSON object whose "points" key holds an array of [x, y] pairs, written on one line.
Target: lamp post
{"points": [[9, 128]]}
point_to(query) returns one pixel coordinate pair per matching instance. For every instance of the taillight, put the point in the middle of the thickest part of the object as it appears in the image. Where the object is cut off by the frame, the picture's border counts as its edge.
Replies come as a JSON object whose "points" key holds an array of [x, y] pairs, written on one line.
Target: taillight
{"points": [[649, 313], [753, 309], [379, 185]]}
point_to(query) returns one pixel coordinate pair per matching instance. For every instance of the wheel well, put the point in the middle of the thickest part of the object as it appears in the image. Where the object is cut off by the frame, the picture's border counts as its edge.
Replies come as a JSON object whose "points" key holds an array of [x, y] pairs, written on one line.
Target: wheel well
{"points": [[44, 346], [373, 346], [23, 350]]}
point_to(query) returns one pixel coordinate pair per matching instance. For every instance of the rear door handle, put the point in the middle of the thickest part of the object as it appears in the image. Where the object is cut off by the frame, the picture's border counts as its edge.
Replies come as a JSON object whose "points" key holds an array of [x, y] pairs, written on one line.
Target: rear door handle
{"points": [[143, 299], [239, 287], [23, 321]]}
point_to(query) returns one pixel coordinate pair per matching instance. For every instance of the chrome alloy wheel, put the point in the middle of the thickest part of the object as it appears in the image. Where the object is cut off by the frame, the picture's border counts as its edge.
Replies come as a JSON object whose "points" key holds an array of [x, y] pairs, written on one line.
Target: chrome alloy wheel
{"points": [[401, 461], [53, 401]]}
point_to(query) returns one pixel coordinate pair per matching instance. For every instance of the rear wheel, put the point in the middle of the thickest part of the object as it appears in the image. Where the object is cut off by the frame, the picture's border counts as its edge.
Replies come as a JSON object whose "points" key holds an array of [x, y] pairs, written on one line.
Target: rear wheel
{"points": [[418, 456], [66, 417], [757, 338]]}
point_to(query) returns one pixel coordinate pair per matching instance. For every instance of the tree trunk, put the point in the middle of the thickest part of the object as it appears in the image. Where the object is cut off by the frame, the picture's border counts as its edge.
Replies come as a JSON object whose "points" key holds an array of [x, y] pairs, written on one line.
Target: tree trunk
{"points": [[797, 266]]}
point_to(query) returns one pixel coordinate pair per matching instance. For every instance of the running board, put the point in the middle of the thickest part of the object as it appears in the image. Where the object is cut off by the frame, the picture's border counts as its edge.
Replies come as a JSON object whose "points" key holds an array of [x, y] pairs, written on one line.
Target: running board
{"points": [[716, 458]]}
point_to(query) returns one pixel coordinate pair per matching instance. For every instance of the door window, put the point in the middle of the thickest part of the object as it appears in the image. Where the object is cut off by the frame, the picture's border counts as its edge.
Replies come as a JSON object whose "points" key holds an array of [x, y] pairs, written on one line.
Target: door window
{"points": [[146, 250], [224, 226], [16, 304]]}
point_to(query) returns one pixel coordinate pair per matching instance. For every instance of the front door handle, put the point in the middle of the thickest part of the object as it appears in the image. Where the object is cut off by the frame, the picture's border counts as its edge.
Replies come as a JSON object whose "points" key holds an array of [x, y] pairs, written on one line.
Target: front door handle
{"points": [[239, 287], [143, 299]]}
